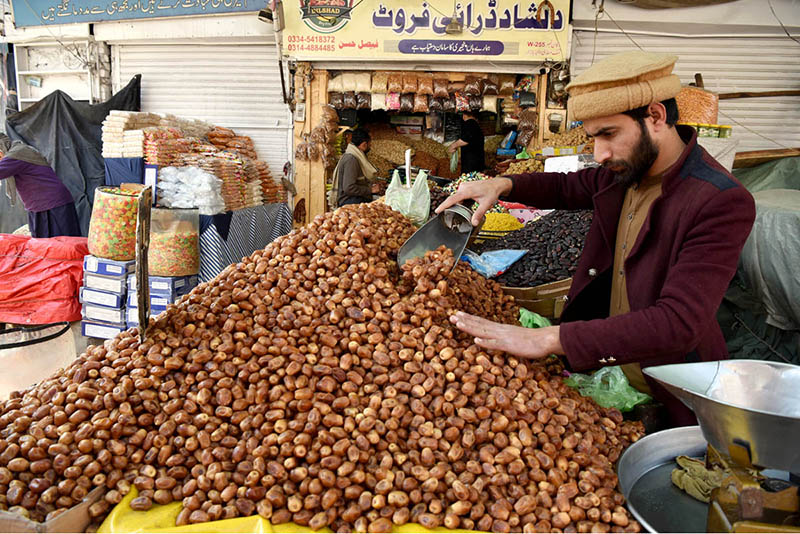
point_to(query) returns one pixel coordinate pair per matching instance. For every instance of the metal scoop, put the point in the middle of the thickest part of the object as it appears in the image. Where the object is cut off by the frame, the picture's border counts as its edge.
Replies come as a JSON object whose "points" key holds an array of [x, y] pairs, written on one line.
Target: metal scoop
{"points": [[745, 406], [450, 228]]}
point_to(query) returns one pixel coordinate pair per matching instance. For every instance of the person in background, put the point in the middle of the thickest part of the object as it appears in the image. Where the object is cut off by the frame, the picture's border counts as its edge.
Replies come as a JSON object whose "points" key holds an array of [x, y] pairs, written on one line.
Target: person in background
{"points": [[50, 207], [471, 143], [669, 224], [354, 174]]}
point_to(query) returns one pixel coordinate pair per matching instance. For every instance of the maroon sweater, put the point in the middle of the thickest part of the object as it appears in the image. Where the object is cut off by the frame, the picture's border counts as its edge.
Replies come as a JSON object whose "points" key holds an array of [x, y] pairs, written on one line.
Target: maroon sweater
{"points": [[677, 271]]}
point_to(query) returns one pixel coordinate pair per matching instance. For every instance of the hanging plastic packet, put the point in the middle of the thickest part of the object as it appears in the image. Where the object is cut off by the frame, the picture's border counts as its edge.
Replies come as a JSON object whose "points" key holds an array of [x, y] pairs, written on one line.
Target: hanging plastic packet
{"points": [[413, 201], [454, 160], [492, 263]]}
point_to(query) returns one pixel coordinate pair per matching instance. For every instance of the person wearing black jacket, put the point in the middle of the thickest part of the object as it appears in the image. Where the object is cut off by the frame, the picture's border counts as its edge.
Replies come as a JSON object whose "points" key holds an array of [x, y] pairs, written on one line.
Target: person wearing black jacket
{"points": [[471, 143]]}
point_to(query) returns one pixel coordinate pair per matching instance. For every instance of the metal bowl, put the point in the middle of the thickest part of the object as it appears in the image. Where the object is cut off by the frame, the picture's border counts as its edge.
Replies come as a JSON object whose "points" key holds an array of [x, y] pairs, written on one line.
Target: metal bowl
{"points": [[644, 478], [749, 407]]}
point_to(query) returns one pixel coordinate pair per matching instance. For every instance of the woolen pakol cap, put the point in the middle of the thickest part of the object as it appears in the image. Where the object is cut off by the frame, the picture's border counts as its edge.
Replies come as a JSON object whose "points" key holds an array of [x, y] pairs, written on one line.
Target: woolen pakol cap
{"points": [[623, 82]]}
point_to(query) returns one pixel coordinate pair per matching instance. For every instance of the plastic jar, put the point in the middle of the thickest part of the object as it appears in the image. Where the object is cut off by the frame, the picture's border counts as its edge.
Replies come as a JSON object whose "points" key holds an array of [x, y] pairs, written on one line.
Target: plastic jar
{"points": [[112, 229], [174, 242]]}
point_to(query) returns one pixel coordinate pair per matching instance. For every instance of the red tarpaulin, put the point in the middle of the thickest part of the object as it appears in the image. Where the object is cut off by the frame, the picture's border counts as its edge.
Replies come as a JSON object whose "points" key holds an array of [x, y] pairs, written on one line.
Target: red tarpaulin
{"points": [[40, 278]]}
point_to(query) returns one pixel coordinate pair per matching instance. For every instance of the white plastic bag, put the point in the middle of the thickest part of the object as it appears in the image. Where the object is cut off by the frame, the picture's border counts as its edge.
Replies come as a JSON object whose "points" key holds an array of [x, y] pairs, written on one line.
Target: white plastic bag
{"points": [[412, 201], [454, 159]]}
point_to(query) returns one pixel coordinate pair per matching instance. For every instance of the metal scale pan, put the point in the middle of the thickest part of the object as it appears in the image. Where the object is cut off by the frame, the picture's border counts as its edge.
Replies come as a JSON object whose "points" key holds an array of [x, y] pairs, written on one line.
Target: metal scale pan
{"points": [[748, 407]]}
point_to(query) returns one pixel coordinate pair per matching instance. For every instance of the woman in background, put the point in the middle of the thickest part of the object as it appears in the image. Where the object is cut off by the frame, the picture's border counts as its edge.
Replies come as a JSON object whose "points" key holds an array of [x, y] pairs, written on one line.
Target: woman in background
{"points": [[50, 207]]}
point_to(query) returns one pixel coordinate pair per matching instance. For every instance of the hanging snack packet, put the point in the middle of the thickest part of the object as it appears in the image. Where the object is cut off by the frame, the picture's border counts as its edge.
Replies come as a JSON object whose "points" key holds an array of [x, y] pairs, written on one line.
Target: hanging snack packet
{"points": [[420, 103], [380, 81], [407, 102], [425, 83]]}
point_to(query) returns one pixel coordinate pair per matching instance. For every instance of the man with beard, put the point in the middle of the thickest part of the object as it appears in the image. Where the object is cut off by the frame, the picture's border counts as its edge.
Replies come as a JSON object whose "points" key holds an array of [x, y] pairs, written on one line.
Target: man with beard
{"points": [[669, 224]]}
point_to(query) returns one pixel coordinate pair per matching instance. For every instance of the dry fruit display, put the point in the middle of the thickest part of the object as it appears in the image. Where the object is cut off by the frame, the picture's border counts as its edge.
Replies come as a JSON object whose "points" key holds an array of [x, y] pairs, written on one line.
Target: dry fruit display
{"points": [[318, 383], [174, 242], [112, 227]]}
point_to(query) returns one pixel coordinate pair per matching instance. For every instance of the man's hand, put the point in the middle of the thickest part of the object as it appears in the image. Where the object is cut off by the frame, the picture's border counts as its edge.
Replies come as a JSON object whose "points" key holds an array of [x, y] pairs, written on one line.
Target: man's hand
{"points": [[376, 188], [451, 147], [531, 343], [485, 192]]}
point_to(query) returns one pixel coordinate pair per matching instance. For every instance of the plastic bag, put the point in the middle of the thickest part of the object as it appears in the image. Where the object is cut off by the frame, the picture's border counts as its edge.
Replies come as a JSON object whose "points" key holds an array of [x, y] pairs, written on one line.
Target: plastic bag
{"points": [[349, 100], [420, 103], [394, 83], [435, 104], [529, 319], [507, 82], [380, 80], [449, 105], [336, 100], [335, 84], [527, 84], [318, 135], [528, 119], [329, 114], [425, 83], [378, 101], [609, 388], [440, 88], [490, 103], [301, 152], [489, 85], [407, 102], [409, 82], [393, 101], [493, 263], [454, 160], [455, 87], [472, 85], [363, 100], [697, 105], [462, 102], [313, 152], [363, 82], [525, 136], [475, 102], [349, 82], [414, 202]]}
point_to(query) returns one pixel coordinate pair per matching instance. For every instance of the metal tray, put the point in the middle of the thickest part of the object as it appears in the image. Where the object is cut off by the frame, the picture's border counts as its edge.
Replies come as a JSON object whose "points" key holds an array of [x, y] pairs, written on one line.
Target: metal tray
{"points": [[644, 478]]}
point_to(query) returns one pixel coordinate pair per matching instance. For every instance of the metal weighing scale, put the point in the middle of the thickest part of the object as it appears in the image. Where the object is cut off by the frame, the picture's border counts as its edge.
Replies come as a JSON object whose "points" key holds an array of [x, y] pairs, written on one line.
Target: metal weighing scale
{"points": [[450, 228], [749, 415]]}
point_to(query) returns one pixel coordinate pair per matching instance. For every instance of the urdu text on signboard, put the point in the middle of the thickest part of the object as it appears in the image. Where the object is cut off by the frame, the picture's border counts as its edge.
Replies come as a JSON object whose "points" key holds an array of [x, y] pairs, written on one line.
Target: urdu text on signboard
{"points": [[492, 30]]}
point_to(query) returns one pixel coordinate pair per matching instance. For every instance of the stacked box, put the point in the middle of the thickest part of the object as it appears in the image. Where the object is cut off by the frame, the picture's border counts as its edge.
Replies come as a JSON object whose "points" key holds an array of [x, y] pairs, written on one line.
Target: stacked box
{"points": [[103, 296], [164, 290]]}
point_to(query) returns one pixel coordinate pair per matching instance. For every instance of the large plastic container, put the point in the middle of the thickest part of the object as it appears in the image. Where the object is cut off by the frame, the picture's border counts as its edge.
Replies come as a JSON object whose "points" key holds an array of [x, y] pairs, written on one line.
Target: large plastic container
{"points": [[174, 242], [112, 229]]}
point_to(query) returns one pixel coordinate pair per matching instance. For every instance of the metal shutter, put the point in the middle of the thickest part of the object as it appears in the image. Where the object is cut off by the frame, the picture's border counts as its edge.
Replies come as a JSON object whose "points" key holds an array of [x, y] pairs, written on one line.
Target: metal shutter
{"points": [[233, 85], [727, 65]]}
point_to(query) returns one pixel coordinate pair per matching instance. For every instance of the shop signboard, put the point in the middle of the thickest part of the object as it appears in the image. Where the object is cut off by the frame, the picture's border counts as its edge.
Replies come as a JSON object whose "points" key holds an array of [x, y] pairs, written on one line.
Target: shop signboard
{"points": [[45, 12], [479, 30]]}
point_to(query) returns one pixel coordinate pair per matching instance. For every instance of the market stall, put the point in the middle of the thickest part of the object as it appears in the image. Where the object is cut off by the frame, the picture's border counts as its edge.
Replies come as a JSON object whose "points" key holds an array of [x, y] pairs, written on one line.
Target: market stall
{"points": [[408, 92], [214, 202]]}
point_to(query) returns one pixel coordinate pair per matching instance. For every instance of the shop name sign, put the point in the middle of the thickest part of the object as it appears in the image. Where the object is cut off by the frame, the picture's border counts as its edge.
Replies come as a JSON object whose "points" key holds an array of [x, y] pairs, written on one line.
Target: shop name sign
{"points": [[401, 29], [43, 12]]}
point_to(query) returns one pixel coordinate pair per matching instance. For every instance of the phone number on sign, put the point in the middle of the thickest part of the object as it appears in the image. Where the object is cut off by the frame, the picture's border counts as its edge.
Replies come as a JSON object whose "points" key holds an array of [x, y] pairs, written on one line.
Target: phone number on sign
{"points": [[310, 48], [311, 39]]}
